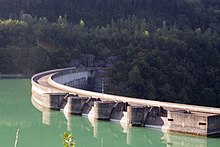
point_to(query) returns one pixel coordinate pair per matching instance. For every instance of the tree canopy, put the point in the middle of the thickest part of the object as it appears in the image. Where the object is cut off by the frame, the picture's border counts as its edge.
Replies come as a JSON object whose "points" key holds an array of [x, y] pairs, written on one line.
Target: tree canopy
{"points": [[165, 50]]}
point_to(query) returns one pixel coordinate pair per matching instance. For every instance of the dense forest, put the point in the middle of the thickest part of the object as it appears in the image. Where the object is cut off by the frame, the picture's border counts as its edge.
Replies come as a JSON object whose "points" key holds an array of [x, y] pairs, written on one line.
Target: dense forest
{"points": [[166, 50]]}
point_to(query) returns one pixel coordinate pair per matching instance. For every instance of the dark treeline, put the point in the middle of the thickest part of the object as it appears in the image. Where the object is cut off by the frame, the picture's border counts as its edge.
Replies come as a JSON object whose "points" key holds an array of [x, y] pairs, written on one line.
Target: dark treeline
{"points": [[165, 50], [193, 13]]}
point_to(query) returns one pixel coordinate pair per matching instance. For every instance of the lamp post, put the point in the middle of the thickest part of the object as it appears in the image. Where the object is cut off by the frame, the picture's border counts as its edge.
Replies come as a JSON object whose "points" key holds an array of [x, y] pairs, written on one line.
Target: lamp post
{"points": [[103, 85]]}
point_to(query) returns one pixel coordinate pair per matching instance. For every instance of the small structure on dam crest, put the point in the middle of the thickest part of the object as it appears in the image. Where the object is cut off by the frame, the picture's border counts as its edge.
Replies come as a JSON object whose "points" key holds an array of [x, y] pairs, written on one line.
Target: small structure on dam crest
{"points": [[51, 90]]}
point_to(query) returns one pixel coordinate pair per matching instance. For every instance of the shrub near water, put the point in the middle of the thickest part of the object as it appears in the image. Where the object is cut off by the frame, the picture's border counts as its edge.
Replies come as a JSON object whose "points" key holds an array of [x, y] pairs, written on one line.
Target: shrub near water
{"points": [[67, 140]]}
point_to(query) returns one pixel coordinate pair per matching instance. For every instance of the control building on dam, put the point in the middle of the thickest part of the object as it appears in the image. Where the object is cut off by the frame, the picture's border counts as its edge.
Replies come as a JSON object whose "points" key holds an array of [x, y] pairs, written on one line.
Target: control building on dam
{"points": [[67, 89]]}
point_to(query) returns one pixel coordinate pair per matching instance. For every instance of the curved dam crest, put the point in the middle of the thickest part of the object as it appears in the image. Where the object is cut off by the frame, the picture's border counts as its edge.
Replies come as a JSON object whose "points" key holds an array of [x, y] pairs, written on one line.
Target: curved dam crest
{"points": [[67, 89]]}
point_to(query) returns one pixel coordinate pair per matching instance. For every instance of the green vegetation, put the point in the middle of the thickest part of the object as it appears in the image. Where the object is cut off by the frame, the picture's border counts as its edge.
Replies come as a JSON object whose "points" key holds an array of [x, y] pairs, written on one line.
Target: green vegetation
{"points": [[166, 50], [67, 140]]}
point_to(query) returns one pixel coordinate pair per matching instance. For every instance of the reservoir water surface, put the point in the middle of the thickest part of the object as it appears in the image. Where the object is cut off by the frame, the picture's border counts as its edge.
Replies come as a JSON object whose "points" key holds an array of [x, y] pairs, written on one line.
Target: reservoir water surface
{"points": [[43, 128]]}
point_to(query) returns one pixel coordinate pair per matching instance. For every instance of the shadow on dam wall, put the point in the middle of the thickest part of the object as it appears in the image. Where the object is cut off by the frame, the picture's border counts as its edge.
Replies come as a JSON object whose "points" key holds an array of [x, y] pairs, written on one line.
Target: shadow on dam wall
{"points": [[103, 133], [93, 82]]}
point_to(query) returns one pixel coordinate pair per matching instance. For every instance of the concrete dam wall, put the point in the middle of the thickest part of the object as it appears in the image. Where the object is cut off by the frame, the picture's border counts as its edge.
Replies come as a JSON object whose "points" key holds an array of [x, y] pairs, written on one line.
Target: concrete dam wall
{"points": [[66, 89]]}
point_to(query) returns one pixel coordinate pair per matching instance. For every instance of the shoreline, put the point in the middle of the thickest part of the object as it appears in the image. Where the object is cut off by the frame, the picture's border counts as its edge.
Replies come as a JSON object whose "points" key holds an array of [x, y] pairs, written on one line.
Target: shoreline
{"points": [[14, 76]]}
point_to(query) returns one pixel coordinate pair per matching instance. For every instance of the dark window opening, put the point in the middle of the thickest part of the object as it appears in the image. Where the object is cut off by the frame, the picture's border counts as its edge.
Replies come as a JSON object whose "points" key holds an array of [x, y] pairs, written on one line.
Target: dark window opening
{"points": [[200, 123], [170, 119]]}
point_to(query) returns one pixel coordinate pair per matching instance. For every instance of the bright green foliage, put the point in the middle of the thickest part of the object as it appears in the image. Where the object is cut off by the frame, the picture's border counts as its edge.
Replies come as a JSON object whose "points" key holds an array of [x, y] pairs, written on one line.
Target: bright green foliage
{"points": [[67, 140]]}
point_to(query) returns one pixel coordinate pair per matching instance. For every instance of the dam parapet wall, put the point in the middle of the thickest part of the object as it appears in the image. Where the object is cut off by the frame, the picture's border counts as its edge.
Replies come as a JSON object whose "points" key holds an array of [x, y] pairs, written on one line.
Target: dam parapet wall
{"points": [[77, 78]]}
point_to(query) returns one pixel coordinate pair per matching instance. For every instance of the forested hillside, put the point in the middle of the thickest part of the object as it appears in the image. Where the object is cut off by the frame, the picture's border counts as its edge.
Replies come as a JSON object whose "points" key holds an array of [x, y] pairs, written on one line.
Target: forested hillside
{"points": [[164, 49], [190, 13]]}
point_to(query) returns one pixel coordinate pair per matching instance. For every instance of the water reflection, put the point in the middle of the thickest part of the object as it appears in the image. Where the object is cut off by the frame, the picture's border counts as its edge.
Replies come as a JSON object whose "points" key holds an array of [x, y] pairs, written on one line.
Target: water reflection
{"points": [[92, 133], [46, 117], [43, 128], [177, 140]]}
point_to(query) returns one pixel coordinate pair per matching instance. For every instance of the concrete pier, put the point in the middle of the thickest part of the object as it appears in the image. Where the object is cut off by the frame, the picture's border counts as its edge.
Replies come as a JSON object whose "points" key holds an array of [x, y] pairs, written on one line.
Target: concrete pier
{"points": [[50, 90], [193, 123], [54, 100], [135, 115], [75, 105], [103, 109]]}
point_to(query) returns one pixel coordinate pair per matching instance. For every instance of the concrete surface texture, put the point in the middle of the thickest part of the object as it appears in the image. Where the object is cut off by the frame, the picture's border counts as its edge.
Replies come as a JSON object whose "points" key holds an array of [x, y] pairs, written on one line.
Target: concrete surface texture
{"points": [[67, 89]]}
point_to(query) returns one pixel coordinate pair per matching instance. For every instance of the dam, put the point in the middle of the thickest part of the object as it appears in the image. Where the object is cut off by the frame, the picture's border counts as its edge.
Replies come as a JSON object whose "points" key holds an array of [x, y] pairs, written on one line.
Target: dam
{"points": [[67, 89]]}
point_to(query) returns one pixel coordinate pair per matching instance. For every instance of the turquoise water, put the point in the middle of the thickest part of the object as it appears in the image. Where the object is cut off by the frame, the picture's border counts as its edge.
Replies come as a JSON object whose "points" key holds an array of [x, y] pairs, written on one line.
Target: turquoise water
{"points": [[38, 128]]}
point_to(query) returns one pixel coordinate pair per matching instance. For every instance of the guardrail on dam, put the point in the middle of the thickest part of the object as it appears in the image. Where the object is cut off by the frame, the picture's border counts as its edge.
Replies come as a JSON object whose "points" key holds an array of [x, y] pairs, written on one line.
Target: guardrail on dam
{"points": [[66, 89]]}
